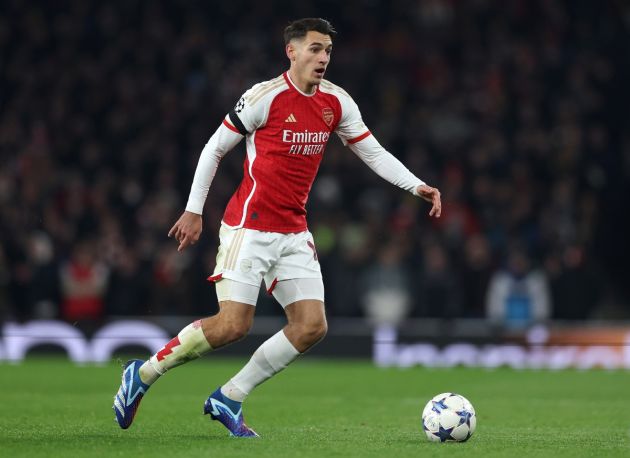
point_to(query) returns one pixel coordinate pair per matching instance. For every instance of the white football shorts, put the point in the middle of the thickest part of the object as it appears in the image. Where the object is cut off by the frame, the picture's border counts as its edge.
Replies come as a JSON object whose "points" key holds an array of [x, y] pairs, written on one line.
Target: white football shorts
{"points": [[287, 263]]}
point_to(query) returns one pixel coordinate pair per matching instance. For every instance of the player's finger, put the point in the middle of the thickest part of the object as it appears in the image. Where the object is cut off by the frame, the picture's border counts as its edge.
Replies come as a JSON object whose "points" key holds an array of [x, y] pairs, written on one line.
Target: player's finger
{"points": [[173, 229], [183, 243], [182, 235], [429, 195], [177, 234], [437, 206]]}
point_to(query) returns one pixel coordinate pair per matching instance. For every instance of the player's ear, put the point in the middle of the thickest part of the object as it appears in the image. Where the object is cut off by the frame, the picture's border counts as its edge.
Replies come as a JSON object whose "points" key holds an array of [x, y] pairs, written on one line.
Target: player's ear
{"points": [[290, 50]]}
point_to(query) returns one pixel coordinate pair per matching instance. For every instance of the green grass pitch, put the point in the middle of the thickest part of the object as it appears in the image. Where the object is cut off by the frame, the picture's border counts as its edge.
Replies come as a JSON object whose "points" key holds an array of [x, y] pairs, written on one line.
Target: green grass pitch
{"points": [[316, 408]]}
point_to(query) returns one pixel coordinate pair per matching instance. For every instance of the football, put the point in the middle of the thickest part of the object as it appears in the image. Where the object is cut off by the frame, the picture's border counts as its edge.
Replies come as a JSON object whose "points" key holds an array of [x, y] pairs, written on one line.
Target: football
{"points": [[449, 417]]}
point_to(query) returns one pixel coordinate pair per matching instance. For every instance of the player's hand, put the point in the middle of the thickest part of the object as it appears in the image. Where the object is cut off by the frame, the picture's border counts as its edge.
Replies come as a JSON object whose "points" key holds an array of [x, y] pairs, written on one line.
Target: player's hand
{"points": [[186, 230], [431, 195]]}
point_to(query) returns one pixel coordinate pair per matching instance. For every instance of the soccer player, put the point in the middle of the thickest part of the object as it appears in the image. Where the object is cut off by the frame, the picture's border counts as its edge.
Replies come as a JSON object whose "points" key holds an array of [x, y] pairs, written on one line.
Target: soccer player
{"points": [[286, 123]]}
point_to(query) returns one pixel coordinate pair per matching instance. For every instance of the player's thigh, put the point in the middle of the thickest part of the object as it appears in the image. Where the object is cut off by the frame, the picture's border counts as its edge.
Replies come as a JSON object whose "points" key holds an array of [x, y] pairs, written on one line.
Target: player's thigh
{"points": [[232, 314], [297, 275], [297, 290], [298, 258], [238, 316], [236, 292], [244, 256], [308, 312]]}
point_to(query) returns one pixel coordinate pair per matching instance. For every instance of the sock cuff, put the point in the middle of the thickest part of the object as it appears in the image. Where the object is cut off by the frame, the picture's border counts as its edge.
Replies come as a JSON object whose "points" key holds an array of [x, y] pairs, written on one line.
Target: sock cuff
{"points": [[271, 357], [154, 366], [149, 373], [194, 338], [189, 344], [279, 351], [282, 337], [234, 391]]}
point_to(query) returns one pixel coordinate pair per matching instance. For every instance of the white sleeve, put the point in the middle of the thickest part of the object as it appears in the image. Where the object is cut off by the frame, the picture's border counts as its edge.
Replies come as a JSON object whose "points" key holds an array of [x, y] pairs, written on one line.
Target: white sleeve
{"points": [[355, 134], [223, 140], [351, 127], [385, 164], [248, 115]]}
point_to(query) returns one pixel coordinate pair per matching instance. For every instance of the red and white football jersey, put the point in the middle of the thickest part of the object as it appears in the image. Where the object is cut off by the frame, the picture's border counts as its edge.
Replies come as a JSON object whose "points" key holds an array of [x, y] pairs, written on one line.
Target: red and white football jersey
{"points": [[286, 134]]}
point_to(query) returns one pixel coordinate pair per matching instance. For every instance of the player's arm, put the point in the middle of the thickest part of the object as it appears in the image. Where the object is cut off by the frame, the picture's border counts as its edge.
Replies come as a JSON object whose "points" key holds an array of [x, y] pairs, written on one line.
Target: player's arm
{"points": [[188, 227], [391, 169], [354, 133], [243, 119]]}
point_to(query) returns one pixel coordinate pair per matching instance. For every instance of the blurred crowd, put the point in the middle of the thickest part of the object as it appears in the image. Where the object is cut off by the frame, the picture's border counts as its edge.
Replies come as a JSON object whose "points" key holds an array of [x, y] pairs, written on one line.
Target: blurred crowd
{"points": [[516, 110]]}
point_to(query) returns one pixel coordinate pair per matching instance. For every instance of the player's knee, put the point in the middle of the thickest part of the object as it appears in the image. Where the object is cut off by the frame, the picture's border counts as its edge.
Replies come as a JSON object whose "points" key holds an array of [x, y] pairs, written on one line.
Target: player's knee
{"points": [[314, 331], [235, 331], [321, 331], [231, 329]]}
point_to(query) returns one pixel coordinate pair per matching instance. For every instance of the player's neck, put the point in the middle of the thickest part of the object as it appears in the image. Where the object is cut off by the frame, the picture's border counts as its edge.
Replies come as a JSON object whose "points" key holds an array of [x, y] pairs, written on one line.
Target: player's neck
{"points": [[303, 86]]}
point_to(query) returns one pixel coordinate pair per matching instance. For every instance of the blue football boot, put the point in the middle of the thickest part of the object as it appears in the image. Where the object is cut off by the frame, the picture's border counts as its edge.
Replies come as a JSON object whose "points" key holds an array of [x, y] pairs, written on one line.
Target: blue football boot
{"points": [[229, 413], [130, 393]]}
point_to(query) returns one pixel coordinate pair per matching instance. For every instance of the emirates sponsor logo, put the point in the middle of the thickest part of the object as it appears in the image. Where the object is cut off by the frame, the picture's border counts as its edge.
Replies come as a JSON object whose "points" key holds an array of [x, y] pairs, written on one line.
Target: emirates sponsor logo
{"points": [[305, 136], [305, 143]]}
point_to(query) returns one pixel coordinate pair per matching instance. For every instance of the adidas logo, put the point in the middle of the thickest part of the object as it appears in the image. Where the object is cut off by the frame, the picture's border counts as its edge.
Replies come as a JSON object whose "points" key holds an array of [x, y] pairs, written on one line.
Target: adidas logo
{"points": [[291, 118]]}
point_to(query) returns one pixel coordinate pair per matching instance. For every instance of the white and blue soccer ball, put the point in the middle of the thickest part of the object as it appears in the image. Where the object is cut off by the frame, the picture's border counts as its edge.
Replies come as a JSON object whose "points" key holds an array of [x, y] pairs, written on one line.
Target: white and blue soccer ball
{"points": [[449, 417]]}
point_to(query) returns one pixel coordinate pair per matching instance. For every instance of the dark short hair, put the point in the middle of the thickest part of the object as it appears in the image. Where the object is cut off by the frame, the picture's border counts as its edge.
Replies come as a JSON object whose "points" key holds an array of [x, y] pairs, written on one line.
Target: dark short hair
{"points": [[300, 27]]}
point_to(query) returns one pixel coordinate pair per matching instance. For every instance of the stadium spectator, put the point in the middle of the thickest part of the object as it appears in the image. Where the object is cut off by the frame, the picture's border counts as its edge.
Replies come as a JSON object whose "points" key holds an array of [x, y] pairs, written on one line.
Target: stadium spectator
{"points": [[83, 284], [476, 269], [575, 286], [44, 283], [385, 286], [518, 294], [439, 291]]}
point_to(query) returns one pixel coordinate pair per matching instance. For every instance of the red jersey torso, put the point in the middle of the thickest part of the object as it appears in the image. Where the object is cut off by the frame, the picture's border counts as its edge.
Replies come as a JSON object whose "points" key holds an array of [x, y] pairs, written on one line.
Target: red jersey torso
{"points": [[287, 132]]}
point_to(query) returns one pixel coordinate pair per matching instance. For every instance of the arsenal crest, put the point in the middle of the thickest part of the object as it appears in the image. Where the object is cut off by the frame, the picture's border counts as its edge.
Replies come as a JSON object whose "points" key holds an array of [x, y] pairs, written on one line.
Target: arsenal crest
{"points": [[328, 116]]}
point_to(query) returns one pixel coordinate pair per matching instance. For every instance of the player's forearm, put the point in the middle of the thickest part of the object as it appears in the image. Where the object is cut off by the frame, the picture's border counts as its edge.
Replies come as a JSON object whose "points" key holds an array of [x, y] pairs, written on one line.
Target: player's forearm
{"points": [[219, 144], [385, 164]]}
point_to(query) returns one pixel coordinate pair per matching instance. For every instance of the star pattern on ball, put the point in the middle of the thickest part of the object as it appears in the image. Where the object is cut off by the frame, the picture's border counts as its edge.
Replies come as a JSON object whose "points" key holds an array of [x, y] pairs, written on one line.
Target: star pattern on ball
{"points": [[444, 434], [438, 406], [464, 417]]}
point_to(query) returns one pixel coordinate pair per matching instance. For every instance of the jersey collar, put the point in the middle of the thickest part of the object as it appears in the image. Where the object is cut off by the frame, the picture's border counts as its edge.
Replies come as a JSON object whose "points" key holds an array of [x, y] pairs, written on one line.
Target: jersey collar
{"points": [[290, 82]]}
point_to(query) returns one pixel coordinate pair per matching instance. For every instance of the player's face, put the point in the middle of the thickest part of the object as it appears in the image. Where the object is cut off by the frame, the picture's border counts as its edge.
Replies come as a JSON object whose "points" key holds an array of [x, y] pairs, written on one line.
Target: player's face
{"points": [[310, 58]]}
